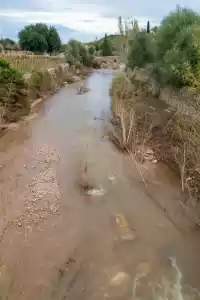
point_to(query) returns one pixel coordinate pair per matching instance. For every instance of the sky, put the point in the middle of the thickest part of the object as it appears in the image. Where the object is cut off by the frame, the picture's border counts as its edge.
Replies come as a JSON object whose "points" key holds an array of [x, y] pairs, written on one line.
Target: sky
{"points": [[82, 19]]}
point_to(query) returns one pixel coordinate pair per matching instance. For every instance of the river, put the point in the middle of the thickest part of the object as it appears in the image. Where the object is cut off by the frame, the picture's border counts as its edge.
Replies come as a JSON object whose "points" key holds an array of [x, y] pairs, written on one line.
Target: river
{"points": [[56, 242]]}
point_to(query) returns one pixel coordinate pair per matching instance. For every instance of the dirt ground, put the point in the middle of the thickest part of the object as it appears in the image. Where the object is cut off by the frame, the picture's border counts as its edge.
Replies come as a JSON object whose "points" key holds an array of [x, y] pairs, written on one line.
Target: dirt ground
{"points": [[58, 243]]}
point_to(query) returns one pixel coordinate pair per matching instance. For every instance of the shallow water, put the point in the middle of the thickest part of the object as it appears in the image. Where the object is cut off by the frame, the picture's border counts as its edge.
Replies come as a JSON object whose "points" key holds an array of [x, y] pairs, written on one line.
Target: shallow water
{"points": [[57, 243]]}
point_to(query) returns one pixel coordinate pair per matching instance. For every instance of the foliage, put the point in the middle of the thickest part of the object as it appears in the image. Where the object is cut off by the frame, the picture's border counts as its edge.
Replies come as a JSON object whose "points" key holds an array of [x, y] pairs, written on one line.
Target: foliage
{"points": [[106, 47], [13, 95], [4, 63], [1, 48], [9, 44], [63, 48], [141, 50], [172, 26], [114, 40], [53, 40], [148, 27], [172, 49], [128, 30], [39, 38], [77, 52], [91, 49], [154, 29]]}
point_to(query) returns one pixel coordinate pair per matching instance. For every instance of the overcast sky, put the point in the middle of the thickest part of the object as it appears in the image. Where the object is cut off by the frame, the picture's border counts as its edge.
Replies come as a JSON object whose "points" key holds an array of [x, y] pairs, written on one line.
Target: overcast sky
{"points": [[82, 19]]}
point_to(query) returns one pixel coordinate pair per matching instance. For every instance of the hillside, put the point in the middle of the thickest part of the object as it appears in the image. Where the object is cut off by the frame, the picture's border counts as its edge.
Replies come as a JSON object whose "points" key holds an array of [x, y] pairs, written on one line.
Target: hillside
{"points": [[114, 39]]}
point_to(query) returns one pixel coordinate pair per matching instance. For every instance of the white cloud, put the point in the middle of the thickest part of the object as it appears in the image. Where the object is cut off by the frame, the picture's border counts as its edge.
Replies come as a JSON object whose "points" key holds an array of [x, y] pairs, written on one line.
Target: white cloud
{"points": [[87, 21], [94, 18]]}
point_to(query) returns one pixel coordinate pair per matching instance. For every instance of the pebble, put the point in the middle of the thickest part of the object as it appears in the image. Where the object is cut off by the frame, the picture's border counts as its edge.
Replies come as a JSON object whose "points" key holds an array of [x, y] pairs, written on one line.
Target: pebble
{"points": [[112, 178], [154, 161], [96, 192], [119, 278]]}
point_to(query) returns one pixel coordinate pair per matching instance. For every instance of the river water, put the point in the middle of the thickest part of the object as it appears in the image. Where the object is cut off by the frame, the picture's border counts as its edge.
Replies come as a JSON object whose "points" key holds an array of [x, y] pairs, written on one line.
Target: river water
{"points": [[56, 242]]}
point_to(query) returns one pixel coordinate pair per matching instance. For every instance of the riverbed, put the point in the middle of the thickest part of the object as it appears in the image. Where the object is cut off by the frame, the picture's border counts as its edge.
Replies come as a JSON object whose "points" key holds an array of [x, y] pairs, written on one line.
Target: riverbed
{"points": [[58, 243]]}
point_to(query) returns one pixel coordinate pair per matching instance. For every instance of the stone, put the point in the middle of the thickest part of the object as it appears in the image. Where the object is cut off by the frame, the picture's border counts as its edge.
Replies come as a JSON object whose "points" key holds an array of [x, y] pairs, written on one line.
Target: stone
{"points": [[154, 161], [112, 178], [119, 278], [96, 192]]}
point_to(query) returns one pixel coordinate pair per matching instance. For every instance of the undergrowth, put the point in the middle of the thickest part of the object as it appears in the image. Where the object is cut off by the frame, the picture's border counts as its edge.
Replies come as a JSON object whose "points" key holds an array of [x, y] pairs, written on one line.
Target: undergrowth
{"points": [[13, 93]]}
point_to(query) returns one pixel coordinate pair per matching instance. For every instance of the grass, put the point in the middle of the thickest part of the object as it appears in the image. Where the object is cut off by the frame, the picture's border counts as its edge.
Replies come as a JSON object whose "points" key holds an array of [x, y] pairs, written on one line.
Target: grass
{"points": [[28, 63]]}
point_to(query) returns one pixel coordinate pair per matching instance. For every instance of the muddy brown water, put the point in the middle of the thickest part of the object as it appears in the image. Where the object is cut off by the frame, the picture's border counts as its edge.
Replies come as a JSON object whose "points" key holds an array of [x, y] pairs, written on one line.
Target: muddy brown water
{"points": [[56, 242]]}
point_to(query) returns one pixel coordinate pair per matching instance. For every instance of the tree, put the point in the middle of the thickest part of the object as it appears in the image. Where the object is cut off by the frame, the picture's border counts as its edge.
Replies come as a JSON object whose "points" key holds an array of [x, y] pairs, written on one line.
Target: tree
{"points": [[8, 44], [106, 47], [141, 51], [91, 49], [1, 48], [172, 25], [39, 38], [63, 48], [53, 40], [154, 29], [148, 27]]}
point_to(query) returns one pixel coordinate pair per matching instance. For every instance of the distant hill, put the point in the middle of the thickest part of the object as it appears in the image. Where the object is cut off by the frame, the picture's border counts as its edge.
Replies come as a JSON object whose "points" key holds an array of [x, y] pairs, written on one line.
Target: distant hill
{"points": [[114, 40]]}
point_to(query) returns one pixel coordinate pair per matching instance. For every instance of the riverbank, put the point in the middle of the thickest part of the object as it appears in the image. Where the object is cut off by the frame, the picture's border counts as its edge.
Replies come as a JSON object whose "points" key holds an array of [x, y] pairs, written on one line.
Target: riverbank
{"points": [[156, 123], [20, 97]]}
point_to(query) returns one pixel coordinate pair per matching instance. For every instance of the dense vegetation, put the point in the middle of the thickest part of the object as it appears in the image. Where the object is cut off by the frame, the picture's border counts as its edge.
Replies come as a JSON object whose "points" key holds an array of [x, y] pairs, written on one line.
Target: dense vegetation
{"points": [[156, 100], [8, 44], [107, 46], [171, 51], [39, 38], [13, 96], [79, 53]]}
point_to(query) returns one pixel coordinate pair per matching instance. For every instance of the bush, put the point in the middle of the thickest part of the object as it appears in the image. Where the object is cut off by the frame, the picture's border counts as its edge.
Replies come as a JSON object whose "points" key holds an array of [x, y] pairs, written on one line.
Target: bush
{"points": [[1, 48], [172, 51], [13, 93], [77, 52], [172, 26], [106, 46], [4, 63], [141, 50]]}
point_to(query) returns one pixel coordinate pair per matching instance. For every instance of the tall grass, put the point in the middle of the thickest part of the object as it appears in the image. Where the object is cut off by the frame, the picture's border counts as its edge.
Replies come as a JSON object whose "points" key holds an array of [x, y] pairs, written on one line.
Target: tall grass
{"points": [[29, 63]]}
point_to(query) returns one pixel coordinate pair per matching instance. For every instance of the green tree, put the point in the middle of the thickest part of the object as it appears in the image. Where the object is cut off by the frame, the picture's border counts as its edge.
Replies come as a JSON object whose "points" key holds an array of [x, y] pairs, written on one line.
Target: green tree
{"points": [[34, 38], [141, 50], [172, 25], [39, 38], [1, 48], [63, 48], [53, 40], [8, 44], [106, 47], [154, 29], [77, 52], [91, 49], [148, 27]]}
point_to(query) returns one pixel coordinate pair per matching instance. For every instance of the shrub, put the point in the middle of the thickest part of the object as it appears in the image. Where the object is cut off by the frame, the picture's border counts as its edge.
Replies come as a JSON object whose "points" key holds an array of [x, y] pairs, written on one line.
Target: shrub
{"points": [[141, 50], [77, 52], [4, 63], [106, 46], [172, 51], [1, 48], [13, 92], [172, 25]]}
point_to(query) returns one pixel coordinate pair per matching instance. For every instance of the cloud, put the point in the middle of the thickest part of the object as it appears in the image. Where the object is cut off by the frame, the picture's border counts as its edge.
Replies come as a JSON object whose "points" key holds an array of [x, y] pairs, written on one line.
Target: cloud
{"points": [[86, 18]]}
